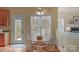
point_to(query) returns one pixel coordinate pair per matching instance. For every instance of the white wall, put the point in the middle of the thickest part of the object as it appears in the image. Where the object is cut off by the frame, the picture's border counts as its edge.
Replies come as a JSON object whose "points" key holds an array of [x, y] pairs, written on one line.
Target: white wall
{"points": [[68, 16], [67, 42]]}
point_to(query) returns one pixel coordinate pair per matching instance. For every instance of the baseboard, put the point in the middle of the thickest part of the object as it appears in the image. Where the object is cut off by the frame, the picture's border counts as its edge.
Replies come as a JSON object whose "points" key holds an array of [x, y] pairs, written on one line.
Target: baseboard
{"points": [[16, 43]]}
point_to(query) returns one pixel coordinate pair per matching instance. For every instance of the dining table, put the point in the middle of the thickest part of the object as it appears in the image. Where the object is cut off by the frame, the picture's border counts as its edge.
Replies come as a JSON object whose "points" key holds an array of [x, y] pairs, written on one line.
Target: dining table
{"points": [[39, 45]]}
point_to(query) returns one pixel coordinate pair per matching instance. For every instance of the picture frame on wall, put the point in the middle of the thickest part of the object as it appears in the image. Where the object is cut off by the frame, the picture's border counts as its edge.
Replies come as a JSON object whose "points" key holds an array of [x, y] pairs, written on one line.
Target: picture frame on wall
{"points": [[71, 22], [76, 19]]}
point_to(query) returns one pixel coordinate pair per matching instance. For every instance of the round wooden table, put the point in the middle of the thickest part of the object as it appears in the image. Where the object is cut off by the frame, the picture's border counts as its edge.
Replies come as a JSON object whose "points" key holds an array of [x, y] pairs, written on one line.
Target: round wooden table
{"points": [[39, 45]]}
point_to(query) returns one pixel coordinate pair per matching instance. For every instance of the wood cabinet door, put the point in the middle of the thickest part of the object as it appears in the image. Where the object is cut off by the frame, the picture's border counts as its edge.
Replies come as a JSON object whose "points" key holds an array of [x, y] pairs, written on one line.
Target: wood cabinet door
{"points": [[2, 40], [4, 17]]}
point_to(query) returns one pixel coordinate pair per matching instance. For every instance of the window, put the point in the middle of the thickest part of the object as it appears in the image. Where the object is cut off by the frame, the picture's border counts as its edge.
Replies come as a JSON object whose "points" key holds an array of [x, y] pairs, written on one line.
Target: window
{"points": [[41, 25], [17, 29], [60, 24]]}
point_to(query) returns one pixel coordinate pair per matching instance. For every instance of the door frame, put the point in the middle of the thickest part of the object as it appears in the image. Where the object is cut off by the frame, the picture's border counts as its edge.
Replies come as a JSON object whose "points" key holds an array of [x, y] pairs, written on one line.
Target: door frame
{"points": [[13, 28]]}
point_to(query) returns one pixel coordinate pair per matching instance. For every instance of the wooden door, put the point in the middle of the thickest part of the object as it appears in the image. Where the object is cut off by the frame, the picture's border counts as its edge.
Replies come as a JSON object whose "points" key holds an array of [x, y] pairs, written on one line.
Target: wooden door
{"points": [[2, 40], [4, 17]]}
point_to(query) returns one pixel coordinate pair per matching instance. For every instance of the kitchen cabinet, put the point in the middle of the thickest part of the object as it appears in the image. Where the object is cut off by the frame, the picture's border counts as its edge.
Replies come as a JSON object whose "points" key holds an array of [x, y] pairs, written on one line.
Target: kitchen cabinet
{"points": [[2, 39], [4, 17]]}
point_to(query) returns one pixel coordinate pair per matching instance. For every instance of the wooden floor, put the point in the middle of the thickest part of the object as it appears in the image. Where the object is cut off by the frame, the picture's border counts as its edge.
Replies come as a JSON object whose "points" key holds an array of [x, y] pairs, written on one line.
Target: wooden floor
{"points": [[29, 49], [11, 48]]}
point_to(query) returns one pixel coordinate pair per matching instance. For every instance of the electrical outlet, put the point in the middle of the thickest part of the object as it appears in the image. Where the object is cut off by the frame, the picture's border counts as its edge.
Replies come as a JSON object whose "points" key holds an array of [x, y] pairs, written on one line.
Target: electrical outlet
{"points": [[63, 46]]}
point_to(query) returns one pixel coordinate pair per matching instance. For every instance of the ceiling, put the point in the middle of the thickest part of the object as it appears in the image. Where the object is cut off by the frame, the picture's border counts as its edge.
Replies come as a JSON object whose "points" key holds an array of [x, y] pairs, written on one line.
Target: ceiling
{"points": [[68, 9]]}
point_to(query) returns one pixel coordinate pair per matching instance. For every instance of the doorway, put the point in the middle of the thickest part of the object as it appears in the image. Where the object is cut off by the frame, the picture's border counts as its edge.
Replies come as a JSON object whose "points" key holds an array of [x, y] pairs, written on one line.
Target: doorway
{"points": [[17, 30]]}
